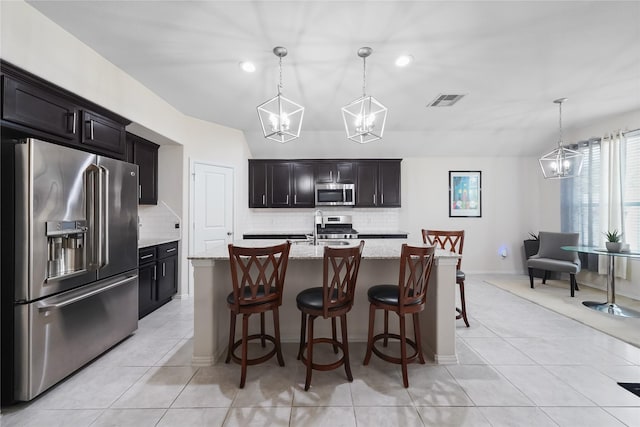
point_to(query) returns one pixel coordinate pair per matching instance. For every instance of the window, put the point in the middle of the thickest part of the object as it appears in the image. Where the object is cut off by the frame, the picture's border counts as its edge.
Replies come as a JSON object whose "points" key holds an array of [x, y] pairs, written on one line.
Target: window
{"points": [[580, 196]]}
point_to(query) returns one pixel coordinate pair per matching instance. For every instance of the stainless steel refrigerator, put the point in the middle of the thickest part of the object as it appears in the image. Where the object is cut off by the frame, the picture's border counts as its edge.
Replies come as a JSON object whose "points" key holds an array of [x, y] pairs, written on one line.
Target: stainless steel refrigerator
{"points": [[74, 268]]}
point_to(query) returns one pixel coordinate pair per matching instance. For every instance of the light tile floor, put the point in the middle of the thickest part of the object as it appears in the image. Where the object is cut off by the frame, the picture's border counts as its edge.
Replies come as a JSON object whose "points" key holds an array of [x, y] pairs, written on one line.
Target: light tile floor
{"points": [[519, 365]]}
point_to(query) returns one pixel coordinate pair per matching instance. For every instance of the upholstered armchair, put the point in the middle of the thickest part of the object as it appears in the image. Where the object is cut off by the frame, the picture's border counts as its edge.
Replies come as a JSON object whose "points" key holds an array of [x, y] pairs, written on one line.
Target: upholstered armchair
{"points": [[551, 257]]}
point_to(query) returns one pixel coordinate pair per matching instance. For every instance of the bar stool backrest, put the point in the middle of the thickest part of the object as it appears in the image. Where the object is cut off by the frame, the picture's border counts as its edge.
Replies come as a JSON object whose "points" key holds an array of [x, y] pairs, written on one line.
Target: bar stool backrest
{"points": [[258, 274], [340, 272], [449, 240], [415, 268]]}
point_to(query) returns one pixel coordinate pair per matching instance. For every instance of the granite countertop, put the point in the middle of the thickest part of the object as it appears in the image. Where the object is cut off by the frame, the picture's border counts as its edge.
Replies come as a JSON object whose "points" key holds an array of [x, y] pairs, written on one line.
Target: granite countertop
{"points": [[153, 241], [299, 234], [373, 249]]}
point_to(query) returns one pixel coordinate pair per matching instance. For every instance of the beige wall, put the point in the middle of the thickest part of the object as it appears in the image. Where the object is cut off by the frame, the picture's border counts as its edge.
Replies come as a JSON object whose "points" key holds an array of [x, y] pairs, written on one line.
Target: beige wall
{"points": [[516, 199], [511, 191], [31, 41]]}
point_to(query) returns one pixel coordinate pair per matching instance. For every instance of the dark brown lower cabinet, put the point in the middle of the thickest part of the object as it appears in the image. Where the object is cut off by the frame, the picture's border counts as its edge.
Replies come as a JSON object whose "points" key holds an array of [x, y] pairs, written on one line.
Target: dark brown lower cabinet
{"points": [[157, 276]]}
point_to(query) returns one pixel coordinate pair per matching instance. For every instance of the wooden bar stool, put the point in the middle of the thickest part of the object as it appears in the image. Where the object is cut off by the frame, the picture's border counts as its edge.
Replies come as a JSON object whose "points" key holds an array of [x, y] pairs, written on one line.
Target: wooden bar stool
{"points": [[451, 241], [334, 299], [257, 275], [408, 297]]}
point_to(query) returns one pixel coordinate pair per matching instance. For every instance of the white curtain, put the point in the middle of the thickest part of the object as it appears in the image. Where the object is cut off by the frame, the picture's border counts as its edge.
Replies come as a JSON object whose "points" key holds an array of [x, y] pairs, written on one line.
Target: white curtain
{"points": [[613, 153]]}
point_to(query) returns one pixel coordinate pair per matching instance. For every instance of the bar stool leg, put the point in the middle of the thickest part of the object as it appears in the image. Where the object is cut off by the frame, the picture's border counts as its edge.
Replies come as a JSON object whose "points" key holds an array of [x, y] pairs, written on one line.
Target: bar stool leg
{"points": [[334, 335], [345, 347], [385, 342], [303, 329], [276, 333], [403, 351], [262, 340], [463, 312], [245, 348], [418, 339], [307, 382], [372, 315], [232, 335]]}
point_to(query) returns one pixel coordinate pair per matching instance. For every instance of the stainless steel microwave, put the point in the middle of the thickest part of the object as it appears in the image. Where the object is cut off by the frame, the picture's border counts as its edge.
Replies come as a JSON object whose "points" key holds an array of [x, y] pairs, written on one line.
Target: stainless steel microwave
{"points": [[335, 195]]}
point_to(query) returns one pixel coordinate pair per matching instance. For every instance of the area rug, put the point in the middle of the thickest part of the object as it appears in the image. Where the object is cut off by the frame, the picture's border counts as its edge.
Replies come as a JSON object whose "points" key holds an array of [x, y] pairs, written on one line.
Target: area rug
{"points": [[554, 295]]}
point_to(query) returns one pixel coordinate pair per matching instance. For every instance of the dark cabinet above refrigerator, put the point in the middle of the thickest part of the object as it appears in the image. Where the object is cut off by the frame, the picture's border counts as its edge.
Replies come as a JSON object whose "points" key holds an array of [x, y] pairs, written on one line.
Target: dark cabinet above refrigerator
{"points": [[33, 107]]}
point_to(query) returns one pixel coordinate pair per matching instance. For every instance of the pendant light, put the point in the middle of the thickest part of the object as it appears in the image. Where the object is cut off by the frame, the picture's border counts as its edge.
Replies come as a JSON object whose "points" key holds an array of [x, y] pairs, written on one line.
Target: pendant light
{"points": [[280, 118], [364, 118], [561, 162]]}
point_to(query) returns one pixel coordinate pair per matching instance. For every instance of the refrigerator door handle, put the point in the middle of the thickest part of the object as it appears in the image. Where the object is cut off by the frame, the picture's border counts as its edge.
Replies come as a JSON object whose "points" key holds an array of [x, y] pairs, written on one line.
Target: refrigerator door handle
{"points": [[92, 198], [104, 214], [57, 302]]}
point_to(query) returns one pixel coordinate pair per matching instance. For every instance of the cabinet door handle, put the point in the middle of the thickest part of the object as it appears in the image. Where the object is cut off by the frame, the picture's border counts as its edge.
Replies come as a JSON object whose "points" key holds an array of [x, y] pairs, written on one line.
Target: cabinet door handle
{"points": [[382, 199], [374, 199], [338, 180], [146, 256], [171, 250], [139, 191], [264, 199], [295, 199], [330, 175], [73, 116], [163, 269], [287, 200], [154, 273], [91, 129]]}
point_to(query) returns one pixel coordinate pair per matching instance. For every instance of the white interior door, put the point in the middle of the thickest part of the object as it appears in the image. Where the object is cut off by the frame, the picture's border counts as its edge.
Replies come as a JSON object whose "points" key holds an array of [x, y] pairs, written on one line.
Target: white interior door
{"points": [[212, 206]]}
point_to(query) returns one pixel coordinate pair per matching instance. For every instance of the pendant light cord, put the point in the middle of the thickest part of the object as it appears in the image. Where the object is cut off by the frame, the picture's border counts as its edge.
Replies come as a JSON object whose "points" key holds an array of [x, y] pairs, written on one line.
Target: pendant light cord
{"points": [[364, 76], [560, 124], [280, 84]]}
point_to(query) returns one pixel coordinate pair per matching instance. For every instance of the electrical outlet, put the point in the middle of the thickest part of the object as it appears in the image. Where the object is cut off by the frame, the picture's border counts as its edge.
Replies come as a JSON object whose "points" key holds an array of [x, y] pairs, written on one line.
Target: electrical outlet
{"points": [[176, 225]]}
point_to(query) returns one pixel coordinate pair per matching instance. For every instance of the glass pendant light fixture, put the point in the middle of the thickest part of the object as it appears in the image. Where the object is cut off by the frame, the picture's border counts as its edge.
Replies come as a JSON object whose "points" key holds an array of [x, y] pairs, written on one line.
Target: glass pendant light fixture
{"points": [[561, 162], [280, 118], [364, 118]]}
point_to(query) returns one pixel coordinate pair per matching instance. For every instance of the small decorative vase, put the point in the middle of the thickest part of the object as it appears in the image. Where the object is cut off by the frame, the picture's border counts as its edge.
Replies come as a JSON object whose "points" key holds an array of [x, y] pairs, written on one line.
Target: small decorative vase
{"points": [[613, 246]]}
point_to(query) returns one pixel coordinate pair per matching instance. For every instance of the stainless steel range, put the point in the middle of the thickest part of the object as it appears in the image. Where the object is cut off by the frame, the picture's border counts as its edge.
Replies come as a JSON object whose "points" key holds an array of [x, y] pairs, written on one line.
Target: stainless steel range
{"points": [[335, 227]]}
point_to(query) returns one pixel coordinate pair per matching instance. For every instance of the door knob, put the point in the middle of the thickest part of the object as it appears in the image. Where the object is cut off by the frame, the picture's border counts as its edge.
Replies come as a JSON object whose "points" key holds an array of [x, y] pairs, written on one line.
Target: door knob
{"points": [[229, 233]]}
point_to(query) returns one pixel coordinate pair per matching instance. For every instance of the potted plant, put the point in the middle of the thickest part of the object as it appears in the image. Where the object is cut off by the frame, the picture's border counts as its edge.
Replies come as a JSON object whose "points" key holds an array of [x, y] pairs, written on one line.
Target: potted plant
{"points": [[613, 242]]}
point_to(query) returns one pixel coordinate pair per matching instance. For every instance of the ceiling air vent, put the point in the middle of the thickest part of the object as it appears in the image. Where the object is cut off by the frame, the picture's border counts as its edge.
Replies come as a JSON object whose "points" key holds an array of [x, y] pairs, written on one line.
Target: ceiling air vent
{"points": [[444, 100]]}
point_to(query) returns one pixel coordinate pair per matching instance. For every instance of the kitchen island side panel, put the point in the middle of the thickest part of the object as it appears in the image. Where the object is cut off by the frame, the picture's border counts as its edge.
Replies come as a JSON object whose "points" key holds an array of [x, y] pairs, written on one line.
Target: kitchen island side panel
{"points": [[211, 319]]}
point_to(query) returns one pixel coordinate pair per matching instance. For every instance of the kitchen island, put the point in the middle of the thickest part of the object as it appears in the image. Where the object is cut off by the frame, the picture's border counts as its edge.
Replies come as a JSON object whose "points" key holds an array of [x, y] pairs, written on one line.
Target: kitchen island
{"points": [[380, 265]]}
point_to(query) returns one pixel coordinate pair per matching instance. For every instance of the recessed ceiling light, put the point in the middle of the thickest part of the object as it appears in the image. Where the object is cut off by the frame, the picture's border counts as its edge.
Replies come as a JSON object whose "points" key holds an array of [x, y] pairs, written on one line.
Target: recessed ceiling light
{"points": [[404, 60], [247, 67]]}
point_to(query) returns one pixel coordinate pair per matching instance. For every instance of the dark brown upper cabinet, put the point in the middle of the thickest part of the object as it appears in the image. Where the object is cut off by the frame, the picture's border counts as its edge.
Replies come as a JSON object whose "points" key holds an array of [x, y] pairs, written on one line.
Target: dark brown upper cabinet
{"points": [[102, 134], [378, 183], [303, 185], [291, 183], [35, 107], [279, 185], [145, 155], [334, 172], [257, 184]]}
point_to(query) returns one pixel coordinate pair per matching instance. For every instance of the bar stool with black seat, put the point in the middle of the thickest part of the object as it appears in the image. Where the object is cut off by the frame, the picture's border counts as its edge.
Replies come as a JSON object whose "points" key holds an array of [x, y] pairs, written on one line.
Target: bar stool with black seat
{"points": [[408, 297], [257, 275], [334, 299], [451, 241]]}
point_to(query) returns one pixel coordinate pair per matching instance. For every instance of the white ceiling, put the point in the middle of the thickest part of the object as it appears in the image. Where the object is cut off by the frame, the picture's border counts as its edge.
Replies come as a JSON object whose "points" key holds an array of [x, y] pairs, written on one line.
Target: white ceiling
{"points": [[510, 58]]}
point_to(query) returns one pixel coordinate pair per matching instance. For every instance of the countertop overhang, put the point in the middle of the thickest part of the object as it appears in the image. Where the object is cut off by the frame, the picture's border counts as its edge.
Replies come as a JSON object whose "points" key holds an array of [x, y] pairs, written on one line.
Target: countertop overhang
{"points": [[373, 249]]}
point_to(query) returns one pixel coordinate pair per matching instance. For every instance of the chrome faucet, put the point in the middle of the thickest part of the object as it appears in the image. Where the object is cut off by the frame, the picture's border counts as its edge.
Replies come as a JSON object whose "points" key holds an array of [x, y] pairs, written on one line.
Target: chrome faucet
{"points": [[317, 214]]}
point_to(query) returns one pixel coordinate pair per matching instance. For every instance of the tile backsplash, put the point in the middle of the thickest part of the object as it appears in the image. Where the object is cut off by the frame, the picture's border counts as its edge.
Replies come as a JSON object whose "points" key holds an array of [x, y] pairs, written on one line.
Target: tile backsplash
{"points": [[301, 220], [158, 221]]}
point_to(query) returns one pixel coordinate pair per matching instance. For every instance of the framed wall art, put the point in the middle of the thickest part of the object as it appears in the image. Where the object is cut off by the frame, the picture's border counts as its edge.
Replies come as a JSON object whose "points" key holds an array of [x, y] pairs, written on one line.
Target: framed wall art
{"points": [[465, 194]]}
